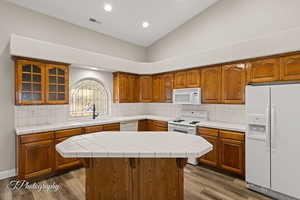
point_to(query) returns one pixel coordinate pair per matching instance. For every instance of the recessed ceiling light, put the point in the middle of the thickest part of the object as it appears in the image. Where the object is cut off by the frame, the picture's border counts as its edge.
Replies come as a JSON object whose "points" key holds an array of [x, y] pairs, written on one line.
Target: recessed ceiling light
{"points": [[107, 7], [145, 24]]}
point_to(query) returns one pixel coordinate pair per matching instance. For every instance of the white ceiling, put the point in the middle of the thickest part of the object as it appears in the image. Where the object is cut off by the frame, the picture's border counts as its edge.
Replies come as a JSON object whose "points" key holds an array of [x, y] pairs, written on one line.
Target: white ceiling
{"points": [[125, 20]]}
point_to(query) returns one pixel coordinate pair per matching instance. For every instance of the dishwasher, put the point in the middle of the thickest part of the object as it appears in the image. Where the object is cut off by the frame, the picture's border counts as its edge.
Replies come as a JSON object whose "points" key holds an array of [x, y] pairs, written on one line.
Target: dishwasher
{"points": [[129, 126]]}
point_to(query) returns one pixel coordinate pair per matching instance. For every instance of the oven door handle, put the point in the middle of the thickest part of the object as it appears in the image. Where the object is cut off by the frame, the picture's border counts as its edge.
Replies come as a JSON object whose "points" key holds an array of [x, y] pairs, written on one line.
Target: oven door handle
{"points": [[180, 131]]}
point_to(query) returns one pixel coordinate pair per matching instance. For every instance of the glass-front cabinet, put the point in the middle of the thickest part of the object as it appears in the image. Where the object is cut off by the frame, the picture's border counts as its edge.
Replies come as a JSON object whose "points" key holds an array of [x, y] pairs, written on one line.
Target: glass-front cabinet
{"points": [[41, 83], [57, 84]]}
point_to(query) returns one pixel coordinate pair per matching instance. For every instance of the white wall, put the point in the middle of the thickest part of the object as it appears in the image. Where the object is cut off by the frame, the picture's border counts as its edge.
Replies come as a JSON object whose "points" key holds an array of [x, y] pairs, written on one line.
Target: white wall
{"points": [[27, 23], [226, 23]]}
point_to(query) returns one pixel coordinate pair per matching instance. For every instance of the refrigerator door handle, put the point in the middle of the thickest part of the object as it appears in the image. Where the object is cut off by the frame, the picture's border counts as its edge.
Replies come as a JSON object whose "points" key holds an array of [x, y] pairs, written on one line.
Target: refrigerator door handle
{"points": [[267, 114], [273, 127]]}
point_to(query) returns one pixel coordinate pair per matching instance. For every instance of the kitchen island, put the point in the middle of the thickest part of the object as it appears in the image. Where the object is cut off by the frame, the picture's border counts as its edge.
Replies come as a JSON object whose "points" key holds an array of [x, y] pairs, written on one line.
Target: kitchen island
{"points": [[134, 165]]}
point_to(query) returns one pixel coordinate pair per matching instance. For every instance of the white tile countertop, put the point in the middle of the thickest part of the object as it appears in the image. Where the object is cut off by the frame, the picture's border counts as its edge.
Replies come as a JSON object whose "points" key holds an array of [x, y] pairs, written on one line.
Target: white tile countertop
{"points": [[223, 125], [134, 145], [84, 123]]}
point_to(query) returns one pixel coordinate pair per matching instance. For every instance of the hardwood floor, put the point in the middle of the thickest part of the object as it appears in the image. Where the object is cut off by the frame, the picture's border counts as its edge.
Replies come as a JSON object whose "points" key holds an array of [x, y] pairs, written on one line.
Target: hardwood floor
{"points": [[200, 184]]}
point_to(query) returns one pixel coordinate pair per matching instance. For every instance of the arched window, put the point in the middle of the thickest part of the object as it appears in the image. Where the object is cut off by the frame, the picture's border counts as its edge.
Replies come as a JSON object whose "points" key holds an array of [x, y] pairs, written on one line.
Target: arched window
{"points": [[86, 93]]}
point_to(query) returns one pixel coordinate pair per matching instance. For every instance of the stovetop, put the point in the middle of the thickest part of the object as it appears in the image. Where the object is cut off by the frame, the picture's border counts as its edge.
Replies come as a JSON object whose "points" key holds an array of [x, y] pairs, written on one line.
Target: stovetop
{"points": [[190, 118], [185, 122]]}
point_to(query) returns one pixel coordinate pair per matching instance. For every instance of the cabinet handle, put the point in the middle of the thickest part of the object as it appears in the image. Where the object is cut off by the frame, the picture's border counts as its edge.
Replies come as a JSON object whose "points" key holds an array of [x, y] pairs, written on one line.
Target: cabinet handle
{"points": [[268, 127], [273, 127]]}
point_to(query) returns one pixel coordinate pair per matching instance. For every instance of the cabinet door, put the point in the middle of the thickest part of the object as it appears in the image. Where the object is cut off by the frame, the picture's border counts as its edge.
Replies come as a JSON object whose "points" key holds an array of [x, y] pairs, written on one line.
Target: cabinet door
{"points": [[111, 127], [232, 155], [180, 79], [62, 163], [145, 88], [167, 87], [266, 70], [57, 84], [124, 91], [193, 78], [132, 88], [156, 89], [37, 159], [290, 68], [93, 129], [233, 83], [212, 157], [211, 84], [30, 82]]}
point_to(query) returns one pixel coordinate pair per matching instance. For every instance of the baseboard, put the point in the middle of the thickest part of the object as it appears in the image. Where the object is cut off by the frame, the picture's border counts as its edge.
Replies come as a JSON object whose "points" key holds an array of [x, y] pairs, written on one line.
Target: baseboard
{"points": [[7, 174]]}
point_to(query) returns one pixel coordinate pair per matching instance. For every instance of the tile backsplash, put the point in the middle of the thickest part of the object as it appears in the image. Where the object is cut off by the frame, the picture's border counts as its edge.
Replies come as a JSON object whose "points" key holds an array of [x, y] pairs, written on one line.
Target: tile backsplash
{"points": [[47, 114], [217, 112]]}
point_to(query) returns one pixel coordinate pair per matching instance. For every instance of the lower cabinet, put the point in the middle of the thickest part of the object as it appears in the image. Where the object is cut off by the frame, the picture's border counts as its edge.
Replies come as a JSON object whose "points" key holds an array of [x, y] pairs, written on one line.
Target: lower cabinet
{"points": [[35, 155], [152, 125], [62, 163], [111, 127], [228, 150]]}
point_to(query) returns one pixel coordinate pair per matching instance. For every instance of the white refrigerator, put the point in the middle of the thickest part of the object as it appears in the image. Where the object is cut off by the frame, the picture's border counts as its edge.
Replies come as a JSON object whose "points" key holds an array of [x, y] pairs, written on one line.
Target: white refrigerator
{"points": [[273, 140]]}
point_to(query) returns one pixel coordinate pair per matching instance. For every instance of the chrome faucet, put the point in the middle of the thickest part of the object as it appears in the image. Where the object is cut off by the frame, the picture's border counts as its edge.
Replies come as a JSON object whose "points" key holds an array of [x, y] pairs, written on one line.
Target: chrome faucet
{"points": [[95, 114]]}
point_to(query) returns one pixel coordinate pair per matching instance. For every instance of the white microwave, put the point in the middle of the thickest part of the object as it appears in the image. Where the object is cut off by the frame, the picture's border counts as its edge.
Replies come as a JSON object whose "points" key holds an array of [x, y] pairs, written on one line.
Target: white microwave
{"points": [[187, 96]]}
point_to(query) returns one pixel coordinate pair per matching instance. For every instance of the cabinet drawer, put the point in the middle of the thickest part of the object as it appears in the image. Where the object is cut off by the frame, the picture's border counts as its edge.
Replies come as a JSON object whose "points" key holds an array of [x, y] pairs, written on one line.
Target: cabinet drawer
{"points": [[111, 127], [36, 137], [232, 135], [68, 132], [159, 123], [208, 131], [94, 129]]}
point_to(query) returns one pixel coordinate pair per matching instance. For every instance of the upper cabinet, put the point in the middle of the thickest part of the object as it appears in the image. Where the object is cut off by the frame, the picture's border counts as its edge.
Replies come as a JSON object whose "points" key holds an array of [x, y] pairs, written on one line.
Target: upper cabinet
{"points": [[167, 87], [211, 84], [266, 70], [290, 68], [156, 88], [187, 79], [193, 78], [30, 82], [57, 84], [162, 88], [41, 83], [233, 84], [145, 87], [125, 88]]}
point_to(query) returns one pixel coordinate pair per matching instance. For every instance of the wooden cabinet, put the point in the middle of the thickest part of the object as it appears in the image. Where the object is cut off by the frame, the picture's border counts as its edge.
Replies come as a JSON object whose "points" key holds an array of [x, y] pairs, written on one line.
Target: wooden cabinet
{"points": [[145, 83], [290, 68], [211, 84], [187, 79], [167, 87], [62, 163], [211, 135], [30, 82], [126, 88], [156, 88], [57, 84], [232, 152], [265, 70], [111, 127], [180, 79], [193, 78], [41, 83], [162, 88], [35, 155], [233, 84], [142, 125], [94, 129], [154, 125], [228, 150]]}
